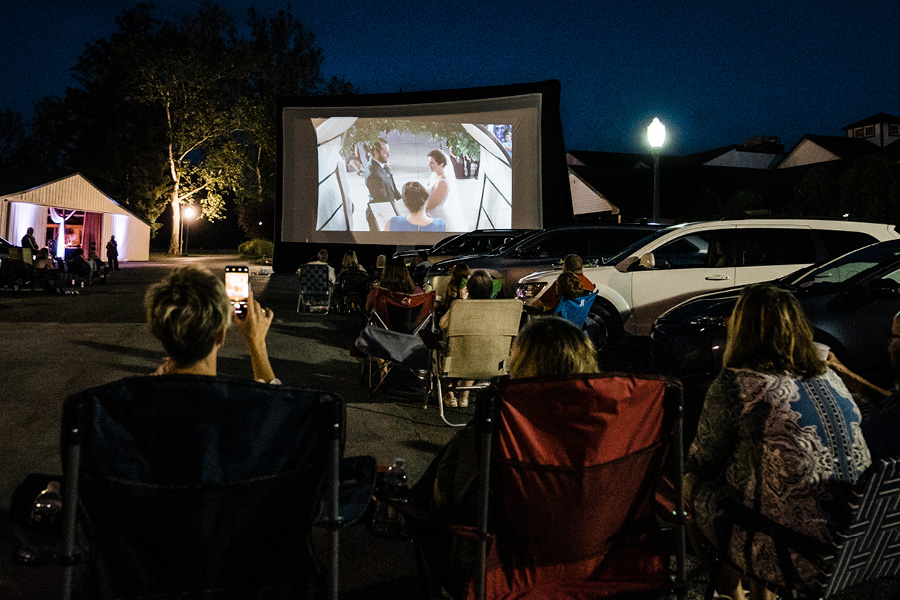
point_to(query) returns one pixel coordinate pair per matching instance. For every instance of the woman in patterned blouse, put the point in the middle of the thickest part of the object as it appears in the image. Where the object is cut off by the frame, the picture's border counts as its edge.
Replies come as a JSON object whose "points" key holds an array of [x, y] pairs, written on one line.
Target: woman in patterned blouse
{"points": [[779, 432]]}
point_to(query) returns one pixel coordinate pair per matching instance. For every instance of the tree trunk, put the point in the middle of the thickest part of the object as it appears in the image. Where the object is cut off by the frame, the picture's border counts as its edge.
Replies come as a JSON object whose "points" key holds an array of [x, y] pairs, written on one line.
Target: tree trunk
{"points": [[175, 239]]}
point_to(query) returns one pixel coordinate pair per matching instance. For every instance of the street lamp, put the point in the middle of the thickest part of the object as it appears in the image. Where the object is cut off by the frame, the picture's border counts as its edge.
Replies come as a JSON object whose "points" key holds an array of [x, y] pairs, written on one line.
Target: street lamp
{"points": [[187, 214], [656, 135]]}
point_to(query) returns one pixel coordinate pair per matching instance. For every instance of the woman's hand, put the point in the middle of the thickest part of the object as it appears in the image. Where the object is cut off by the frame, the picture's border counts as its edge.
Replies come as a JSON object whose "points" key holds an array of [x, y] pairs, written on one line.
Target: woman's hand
{"points": [[255, 324]]}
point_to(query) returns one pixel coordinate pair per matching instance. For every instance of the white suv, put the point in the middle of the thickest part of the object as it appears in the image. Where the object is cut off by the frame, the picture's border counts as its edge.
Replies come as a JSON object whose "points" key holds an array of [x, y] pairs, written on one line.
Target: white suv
{"points": [[682, 261]]}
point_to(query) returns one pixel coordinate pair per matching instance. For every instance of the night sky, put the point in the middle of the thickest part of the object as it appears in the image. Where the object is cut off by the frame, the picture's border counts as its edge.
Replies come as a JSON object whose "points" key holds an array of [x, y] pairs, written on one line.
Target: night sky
{"points": [[715, 74]]}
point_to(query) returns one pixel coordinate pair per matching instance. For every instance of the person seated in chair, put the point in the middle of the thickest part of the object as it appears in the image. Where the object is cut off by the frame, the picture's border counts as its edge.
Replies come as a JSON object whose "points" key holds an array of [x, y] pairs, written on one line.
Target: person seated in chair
{"points": [[550, 298], [478, 286], [321, 259], [780, 433], [189, 312], [78, 265], [548, 347], [395, 278], [46, 272]]}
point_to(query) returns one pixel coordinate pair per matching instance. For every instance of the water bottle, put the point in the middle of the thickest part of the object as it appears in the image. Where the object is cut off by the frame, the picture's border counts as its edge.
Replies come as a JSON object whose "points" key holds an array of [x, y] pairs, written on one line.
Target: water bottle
{"points": [[47, 506], [387, 520]]}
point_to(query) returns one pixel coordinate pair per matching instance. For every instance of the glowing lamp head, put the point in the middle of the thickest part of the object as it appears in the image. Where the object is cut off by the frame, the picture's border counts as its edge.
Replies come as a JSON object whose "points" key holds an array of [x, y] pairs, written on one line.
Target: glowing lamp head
{"points": [[189, 212], [656, 133]]}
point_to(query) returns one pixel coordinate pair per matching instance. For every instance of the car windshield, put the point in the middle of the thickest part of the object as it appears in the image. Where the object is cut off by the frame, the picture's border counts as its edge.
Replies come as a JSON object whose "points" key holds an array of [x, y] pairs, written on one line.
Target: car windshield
{"points": [[849, 268], [633, 248]]}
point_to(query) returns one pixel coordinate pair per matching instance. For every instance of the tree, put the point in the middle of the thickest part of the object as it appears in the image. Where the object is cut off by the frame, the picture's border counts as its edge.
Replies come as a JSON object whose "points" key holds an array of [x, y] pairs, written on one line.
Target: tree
{"points": [[815, 196], [281, 60]]}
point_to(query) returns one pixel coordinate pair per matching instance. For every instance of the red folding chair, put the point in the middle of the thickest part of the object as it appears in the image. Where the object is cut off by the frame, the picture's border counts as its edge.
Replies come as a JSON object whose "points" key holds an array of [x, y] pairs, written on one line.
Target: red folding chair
{"points": [[392, 335], [572, 467]]}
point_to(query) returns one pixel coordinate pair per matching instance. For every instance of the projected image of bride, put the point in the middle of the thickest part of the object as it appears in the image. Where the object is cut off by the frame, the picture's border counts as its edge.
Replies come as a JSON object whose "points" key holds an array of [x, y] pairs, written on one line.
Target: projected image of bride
{"points": [[409, 175]]}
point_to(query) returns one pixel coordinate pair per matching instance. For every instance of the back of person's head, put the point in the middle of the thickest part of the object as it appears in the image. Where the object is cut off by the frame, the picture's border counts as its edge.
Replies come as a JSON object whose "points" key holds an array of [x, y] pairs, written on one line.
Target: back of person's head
{"points": [[480, 285], [396, 277], [322, 256], [414, 195], [188, 312], [458, 273], [768, 331], [349, 261], [423, 256], [44, 253], [568, 286], [573, 264], [551, 347]]}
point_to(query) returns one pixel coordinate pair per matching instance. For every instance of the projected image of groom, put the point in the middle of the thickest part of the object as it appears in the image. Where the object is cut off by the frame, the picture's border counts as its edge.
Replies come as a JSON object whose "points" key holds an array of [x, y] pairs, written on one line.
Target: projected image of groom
{"points": [[380, 181]]}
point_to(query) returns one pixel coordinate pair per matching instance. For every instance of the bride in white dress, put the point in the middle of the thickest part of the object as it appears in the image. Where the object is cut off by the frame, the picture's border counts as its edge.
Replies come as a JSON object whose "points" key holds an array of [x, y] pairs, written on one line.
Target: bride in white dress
{"points": [[443, 198]]}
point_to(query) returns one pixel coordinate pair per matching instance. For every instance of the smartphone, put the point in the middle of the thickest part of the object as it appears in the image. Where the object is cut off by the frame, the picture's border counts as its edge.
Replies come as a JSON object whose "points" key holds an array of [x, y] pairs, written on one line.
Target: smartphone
{"points": [[237, 285]]}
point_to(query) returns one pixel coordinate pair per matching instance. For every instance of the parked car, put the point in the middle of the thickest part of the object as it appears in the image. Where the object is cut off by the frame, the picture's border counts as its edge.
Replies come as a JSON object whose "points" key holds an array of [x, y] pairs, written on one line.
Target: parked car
{"points": [[480, 241], [682, 261], [542, 250], [850, 303]]}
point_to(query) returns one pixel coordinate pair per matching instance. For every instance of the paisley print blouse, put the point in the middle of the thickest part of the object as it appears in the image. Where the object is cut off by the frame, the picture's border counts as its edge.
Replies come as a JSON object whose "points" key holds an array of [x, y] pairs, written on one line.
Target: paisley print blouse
{"points": [[788, 447]]}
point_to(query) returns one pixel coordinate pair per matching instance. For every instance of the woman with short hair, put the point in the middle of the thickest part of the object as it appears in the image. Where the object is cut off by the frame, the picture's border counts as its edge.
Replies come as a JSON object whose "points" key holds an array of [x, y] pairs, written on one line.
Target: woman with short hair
{"points": [[189, 312], [414, 197]]}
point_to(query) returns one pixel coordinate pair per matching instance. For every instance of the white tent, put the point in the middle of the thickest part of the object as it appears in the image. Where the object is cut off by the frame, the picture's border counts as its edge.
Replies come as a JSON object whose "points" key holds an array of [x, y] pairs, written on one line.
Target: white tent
{"points": [[52, 202]]}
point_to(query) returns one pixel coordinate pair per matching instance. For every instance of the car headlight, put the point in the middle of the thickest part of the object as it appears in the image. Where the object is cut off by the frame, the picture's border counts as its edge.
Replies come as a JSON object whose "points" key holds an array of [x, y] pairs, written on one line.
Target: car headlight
{"points": [[529, 290]]}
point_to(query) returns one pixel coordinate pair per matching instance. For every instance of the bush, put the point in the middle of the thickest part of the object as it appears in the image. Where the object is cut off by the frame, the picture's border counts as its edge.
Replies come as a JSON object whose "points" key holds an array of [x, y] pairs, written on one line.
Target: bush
{"points": [[256, 249]]}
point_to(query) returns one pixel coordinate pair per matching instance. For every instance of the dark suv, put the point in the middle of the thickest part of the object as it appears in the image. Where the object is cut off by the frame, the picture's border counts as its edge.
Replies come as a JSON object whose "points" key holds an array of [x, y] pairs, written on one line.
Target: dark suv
{"points": [[480, 241], [542, 250]]}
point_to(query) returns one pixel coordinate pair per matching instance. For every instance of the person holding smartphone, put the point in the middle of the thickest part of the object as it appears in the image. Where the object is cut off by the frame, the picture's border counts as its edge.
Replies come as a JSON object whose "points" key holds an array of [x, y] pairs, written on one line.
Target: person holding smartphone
{"points": [[189, 312]]}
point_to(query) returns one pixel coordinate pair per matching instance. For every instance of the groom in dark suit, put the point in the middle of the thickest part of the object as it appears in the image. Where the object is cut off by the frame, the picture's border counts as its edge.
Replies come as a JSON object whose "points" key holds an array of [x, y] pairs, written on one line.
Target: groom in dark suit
{"points": [[380, 181]]}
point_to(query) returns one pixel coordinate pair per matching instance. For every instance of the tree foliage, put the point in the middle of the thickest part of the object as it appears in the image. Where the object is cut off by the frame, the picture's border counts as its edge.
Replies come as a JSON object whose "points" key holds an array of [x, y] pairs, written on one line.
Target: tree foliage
{"points": [[169, 113], [368, 131]]}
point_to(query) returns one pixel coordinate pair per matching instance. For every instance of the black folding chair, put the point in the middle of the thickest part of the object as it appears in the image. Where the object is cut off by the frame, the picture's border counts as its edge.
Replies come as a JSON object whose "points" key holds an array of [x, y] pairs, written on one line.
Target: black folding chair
{"points": [[192, 486], [866, 548], [315, 288]]}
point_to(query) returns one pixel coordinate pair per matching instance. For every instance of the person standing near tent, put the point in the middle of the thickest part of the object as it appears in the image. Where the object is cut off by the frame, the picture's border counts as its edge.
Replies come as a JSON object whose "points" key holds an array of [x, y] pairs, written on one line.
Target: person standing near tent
{"points": [[28, 241], [112, 253]]}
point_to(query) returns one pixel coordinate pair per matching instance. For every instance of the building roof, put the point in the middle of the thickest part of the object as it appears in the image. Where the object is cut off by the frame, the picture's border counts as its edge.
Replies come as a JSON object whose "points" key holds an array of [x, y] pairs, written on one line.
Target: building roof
{"points": [[873, 120], [73, 192]]}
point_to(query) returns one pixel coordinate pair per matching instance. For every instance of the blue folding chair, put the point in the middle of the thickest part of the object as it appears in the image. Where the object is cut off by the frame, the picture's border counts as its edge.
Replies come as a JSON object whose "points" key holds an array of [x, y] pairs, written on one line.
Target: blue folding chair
{"points": [[576, 310]]}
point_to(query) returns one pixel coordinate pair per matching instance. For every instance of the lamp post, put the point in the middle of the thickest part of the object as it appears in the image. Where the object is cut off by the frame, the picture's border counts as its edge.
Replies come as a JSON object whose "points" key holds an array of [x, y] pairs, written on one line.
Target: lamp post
{"points": [[188, 213], [656, 135]]}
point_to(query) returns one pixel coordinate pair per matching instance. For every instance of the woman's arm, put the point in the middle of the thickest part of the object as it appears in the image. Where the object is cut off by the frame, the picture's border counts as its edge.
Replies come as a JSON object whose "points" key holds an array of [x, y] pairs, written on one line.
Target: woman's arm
{"points": [[253, 327], [864, 390], [717, 430], [438, 195]]}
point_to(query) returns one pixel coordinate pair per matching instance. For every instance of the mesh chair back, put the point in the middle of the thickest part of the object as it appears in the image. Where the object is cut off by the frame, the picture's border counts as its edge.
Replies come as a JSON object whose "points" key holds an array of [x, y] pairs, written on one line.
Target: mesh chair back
{"points": [[870, 546], [575, 463], [576, 310], [314, 280], [403, 313], [199, 486], [479, 336]]}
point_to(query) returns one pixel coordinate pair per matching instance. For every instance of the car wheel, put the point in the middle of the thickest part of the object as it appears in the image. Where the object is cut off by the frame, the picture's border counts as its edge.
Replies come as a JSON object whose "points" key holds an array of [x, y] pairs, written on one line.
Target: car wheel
{"points": [[609, 320]]}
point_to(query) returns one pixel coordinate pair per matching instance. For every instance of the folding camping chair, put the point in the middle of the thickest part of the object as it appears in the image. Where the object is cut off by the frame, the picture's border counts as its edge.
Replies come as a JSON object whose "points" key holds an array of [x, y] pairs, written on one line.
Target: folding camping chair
{"points": [[199, 486], [354, 287], [867, 548], [569, 468], [315, 288], [478, 339], [392, 335], [576, 310]]}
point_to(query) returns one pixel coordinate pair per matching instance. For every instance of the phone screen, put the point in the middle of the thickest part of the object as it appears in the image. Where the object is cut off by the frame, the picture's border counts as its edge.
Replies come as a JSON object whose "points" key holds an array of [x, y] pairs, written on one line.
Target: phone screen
{"points": [[237, 285]]}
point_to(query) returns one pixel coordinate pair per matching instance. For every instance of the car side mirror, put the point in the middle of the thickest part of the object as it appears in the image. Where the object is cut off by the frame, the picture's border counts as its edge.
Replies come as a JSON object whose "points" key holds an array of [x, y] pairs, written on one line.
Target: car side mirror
{"points": [[884, 289]]}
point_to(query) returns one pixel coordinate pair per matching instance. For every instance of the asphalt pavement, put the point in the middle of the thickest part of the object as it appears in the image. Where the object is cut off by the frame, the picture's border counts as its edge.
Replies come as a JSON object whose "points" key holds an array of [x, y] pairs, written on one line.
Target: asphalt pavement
{"points": [[52, 346]]}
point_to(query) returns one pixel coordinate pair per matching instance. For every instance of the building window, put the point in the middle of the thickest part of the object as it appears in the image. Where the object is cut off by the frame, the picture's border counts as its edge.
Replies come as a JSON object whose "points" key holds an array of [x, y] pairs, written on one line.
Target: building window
{"points": [[894, 129], [870, 131], [858, 132]]}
